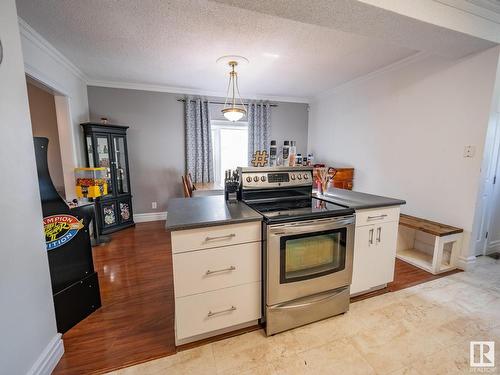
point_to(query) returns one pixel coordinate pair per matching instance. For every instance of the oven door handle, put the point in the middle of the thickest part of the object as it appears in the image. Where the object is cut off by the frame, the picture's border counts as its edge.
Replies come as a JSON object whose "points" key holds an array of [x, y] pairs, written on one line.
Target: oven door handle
{"points": [[309, 301], [310, 226]]}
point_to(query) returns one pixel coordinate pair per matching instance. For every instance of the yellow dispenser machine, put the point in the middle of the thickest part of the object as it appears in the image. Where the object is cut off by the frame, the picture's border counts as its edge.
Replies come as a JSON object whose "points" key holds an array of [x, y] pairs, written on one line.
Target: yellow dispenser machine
{"points": [[91, 182]]}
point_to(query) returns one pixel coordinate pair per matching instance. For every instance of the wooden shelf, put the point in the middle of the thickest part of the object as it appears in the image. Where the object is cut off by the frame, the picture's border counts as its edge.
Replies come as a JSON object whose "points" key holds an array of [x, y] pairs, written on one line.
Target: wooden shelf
{"points": [[421, 260], [417, 258], [427, 226]]}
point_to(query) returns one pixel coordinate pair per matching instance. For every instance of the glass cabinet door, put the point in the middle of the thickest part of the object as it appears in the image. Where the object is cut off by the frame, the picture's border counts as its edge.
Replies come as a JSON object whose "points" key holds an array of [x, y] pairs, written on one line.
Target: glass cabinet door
{"points": [[125, 210], [104, 158], [90, 151], [109, 216], [120, 159]]}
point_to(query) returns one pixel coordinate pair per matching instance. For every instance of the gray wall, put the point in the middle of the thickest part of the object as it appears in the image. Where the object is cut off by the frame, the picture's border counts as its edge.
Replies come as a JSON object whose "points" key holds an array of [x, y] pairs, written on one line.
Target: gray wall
{"points": [[27, 319], [156, 137]]}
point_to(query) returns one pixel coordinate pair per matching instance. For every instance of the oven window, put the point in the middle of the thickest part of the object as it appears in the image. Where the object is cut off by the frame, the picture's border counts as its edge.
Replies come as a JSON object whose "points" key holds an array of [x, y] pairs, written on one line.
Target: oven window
{"points": [[311, 255]]}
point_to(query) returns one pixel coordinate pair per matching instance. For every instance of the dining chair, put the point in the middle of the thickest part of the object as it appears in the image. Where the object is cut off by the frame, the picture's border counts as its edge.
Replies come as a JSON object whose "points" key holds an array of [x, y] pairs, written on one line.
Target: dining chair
{"points": [[190, 183], [188, 193]]}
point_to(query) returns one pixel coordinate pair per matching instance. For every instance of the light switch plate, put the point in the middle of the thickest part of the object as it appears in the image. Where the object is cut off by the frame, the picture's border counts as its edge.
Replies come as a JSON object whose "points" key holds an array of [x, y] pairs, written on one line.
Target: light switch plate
{"points": [[154, 205]]}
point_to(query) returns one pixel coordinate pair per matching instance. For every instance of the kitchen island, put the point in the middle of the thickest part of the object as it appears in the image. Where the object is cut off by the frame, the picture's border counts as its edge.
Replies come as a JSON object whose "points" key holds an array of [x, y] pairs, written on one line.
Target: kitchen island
{"points": [[217, 258], [216, 254]]}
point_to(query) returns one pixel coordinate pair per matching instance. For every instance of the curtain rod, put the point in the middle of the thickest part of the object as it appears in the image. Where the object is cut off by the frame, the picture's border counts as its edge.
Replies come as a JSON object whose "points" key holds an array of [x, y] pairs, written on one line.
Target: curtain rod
{"points": [[213, 102]]}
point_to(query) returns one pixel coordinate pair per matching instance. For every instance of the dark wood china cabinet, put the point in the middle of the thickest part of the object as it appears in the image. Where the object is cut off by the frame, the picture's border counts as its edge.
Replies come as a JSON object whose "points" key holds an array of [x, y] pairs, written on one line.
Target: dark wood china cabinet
{"points": [[106, 146]]}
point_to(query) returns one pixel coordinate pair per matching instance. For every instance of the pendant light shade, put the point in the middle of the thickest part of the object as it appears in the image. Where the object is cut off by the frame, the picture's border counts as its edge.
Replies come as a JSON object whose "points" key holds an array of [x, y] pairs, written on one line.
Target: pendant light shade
{"points": [[233, 114], [234, 109]]}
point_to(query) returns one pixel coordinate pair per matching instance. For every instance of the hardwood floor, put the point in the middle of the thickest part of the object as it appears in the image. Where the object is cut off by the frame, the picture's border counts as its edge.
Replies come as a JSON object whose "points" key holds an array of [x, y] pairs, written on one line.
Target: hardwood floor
{"points": [[136, 321]]}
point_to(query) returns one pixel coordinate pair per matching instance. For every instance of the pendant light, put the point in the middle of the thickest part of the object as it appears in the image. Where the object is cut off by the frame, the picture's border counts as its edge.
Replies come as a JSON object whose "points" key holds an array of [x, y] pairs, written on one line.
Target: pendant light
{"points": [[234, 109]]}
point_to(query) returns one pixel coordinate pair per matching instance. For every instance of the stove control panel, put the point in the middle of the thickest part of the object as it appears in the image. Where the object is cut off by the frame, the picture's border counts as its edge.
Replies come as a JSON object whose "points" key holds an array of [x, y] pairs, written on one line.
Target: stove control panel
{"points": [[263, 180]]}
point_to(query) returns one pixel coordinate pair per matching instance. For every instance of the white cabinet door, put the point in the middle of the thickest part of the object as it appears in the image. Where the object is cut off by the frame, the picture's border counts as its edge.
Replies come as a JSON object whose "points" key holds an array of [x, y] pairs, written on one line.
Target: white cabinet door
{"points": [[364, 251], [374, 256], [386, 237]]}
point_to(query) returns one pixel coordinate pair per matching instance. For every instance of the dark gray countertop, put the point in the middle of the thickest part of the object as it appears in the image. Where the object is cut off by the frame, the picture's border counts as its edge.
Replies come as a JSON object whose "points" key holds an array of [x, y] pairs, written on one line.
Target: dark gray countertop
{"points": [[357, 200], [197, 212]]}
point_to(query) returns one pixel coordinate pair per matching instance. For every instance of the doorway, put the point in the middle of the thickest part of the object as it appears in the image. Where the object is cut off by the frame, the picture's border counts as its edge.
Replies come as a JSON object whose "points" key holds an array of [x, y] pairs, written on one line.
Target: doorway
{"points": [[44, 124], [51, 118], [492, 243], [487, 234]]}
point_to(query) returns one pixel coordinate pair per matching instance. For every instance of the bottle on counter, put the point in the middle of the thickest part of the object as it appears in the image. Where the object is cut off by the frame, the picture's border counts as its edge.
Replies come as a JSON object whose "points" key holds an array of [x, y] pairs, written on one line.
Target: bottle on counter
{"points": [[273, 154], [286, 153], [310, 159], [279, 158], [293, 154], [299, 159]]}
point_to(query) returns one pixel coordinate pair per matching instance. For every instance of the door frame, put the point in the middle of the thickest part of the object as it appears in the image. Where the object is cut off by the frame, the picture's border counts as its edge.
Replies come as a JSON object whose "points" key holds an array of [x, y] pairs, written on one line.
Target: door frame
{"points": [[484, 206], [65, 133], [494, 175]]}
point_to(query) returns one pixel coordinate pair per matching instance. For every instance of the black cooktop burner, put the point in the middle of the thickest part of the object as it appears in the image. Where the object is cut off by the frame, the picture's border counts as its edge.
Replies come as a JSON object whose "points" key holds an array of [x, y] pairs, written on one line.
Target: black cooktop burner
{"points": [[301, 209]]}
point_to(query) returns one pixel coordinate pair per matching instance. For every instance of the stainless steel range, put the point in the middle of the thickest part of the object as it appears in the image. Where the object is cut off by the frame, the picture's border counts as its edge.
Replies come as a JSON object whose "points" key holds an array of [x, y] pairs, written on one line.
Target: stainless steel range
{"points": [[307, 248]]}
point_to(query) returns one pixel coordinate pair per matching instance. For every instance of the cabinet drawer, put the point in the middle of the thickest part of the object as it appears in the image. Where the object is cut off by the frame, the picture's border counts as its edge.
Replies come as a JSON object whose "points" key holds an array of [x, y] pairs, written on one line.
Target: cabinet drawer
{"points": [[216, 236], [206, 312], [377, 215], [211, 269]]}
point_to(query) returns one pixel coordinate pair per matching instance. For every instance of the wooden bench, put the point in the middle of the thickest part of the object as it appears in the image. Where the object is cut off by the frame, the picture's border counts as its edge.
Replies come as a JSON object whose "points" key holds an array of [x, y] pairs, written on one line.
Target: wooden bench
{"points": [[431, 246]]}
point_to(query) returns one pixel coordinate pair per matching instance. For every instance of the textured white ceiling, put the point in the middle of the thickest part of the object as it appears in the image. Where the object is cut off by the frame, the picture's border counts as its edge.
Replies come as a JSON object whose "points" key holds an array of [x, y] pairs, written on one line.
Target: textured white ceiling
{"points": [[364, 19], [176, 43], [295, 48]]}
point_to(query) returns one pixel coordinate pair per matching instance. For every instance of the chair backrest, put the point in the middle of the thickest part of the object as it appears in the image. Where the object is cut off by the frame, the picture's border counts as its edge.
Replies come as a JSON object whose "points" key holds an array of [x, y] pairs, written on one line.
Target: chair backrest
{"points": [[188, 193], [190, 182]]}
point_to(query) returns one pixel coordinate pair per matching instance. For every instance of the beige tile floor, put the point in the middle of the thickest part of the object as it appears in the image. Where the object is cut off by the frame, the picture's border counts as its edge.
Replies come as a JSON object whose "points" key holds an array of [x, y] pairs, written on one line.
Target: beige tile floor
{"points": [[421, 330]]}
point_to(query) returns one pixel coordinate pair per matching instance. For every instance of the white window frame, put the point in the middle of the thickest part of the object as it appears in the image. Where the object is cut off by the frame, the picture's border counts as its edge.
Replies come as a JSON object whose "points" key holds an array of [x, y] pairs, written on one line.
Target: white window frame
{"points": [[217, 125]]}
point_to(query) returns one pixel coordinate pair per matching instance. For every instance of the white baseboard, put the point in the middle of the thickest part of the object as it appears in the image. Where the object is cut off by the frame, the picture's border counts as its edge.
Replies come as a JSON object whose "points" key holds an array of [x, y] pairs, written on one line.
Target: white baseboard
{"points": [[151, 216], [465, 263], [47, 361]]}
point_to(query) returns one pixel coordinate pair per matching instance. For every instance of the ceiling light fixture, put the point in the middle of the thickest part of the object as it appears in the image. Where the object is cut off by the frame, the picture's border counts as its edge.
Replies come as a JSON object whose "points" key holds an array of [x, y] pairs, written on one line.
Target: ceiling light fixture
{"points": [[234, 109]]}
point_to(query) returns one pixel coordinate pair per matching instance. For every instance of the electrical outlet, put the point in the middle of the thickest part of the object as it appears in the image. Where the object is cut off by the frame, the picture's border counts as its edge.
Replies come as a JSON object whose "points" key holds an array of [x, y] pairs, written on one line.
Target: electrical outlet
{"points": [[154, 205], [469, 151]]}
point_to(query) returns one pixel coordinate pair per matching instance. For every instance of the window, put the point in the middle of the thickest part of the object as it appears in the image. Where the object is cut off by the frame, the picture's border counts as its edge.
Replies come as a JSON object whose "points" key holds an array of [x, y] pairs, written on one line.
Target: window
{"points": [[230, 146]]}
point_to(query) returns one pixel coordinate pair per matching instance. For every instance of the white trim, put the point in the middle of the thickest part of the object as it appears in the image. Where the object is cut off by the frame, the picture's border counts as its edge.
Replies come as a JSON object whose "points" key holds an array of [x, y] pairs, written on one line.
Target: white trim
{"points": [[465, 263], [150, 216], [492, 247], [38, 76], [480, 8], [48, 359], [361, 79], [188, 91], [31, 34]]}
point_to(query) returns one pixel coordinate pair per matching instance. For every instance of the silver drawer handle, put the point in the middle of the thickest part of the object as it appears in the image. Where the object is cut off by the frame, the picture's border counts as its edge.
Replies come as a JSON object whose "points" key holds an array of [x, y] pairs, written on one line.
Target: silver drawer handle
{"points": [[212, 313], [227, 236], [379, 217], [209, 272]]}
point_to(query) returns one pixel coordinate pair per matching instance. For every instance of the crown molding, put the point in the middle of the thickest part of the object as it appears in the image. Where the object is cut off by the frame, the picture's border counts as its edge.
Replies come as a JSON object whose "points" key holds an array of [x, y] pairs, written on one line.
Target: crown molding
{"points": [[376, 73], [189, 91], [32, 35], [486, 9]]}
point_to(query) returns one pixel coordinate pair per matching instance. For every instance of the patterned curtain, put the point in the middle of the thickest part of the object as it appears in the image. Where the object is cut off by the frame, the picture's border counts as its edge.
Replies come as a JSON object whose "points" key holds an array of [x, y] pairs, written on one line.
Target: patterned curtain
{"points": [[259, 128], [199, 155]]}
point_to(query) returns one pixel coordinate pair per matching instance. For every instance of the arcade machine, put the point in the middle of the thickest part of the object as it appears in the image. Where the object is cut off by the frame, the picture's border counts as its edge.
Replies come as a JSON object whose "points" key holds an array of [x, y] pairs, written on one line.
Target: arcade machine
{"points": [[75, 286]]}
